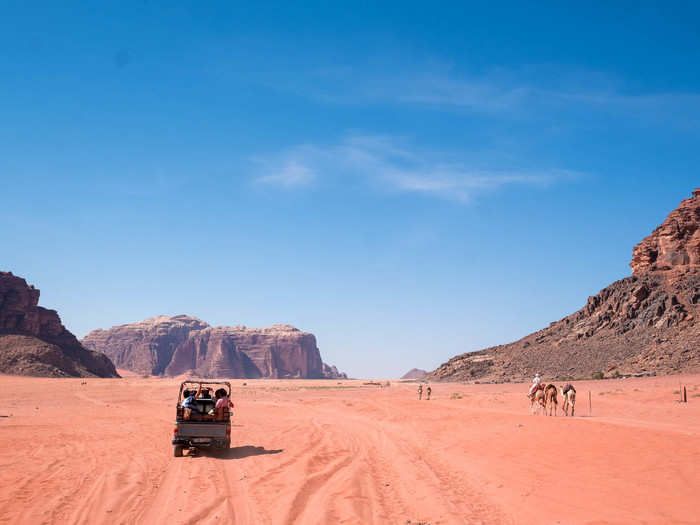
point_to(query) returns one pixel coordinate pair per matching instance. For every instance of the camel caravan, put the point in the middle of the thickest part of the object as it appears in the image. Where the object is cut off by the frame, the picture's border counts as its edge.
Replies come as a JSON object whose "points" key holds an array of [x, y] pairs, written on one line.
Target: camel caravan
{"points": [[544, 397]]}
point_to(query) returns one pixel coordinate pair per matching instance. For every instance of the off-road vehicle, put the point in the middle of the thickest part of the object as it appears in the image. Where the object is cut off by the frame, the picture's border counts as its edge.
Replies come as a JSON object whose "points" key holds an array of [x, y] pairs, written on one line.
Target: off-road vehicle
{"points": [[202, 427]]}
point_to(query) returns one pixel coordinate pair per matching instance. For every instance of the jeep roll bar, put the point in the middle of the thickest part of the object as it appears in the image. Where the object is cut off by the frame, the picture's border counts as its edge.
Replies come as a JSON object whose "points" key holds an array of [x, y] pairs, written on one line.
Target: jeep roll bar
{"points": [[203, 383]]}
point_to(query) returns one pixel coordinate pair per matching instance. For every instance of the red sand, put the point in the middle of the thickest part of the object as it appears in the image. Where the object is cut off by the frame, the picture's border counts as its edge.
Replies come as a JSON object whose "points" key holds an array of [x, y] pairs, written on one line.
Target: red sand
{"points": [[310, 452]]}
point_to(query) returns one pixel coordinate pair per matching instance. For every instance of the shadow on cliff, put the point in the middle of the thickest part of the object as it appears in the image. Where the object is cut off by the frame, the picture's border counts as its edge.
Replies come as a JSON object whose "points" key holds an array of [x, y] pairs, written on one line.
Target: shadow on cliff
{"points": [[239, 452]]}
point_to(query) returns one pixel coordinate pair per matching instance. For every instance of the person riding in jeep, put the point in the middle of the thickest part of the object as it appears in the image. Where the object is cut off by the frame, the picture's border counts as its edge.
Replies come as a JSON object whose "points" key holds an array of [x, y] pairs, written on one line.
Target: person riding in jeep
{"points": [[222, 402], [190, 403]]}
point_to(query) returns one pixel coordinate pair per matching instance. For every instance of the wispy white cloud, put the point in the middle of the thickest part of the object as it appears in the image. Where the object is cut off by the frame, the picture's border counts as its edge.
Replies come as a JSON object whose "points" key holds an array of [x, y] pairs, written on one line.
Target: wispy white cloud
{"points": [[544, 92], [291, 172], [428, 86], [389, 163]]}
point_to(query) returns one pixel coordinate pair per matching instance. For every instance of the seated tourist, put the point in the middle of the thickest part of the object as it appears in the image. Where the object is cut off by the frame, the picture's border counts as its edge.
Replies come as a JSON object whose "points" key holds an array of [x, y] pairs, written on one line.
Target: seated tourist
{"points": [[190, 403], [222, 402]]}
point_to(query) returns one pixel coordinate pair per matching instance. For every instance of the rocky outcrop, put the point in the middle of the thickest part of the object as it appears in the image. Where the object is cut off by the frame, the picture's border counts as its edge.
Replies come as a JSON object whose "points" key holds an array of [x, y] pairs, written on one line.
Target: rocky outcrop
{"points": [[33, 341], [146, 347], [643, 324], [414, 373], [332, 372], [182, 344], [674, 246]]}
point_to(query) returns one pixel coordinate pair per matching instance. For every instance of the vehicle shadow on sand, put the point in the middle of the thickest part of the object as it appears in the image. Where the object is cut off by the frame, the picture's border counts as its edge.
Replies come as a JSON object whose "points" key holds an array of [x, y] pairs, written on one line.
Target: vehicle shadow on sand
{"points": [[240, 452]]}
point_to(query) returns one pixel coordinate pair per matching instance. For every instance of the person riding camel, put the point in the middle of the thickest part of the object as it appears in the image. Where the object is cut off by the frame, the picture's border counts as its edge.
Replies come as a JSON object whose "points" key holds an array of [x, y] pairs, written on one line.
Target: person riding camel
{"points": [[568, 387], [536, 383]]}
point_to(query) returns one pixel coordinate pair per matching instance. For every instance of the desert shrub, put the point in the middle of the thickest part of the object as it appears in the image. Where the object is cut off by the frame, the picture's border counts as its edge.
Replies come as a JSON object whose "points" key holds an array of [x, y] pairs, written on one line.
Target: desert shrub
{"points": [[598, 375], [456, 395]]}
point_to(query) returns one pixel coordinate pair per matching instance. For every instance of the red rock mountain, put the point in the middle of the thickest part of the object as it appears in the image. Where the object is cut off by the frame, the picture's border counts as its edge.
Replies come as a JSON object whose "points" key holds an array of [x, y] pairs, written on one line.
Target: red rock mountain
{"points": [[643, 324], [414, 373], [182, 344], [33, 341]]}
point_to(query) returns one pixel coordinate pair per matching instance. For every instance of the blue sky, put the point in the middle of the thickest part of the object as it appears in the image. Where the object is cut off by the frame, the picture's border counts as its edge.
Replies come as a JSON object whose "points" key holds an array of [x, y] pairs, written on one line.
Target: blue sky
{"points": [[406, 181]]}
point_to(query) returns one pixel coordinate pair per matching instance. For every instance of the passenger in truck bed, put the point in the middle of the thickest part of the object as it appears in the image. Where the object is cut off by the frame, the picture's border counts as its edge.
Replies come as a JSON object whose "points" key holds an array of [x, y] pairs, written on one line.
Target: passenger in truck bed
{"points": [[222, 402], [190, 403]]}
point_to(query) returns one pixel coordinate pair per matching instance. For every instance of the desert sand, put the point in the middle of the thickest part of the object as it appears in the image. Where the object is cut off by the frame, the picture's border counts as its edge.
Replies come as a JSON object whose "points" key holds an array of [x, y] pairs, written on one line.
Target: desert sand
{"points": [[98, 451]]}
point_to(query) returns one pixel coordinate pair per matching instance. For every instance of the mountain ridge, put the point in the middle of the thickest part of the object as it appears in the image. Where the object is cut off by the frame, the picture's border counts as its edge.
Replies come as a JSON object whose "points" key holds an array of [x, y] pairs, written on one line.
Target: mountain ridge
{"points": [[173, 345], [641, 324]]}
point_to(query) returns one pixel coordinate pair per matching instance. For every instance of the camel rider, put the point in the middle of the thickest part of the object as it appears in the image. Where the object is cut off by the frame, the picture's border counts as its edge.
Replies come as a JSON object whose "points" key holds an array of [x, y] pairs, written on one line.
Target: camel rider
{"points": [[568, 387], [536, 381]]}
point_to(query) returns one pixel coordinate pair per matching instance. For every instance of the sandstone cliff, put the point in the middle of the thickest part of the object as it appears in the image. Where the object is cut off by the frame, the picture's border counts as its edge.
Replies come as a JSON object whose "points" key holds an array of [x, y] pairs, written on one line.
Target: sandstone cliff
{"points": [[673, 248], [641, 324], [182, 344], [34, 342]]}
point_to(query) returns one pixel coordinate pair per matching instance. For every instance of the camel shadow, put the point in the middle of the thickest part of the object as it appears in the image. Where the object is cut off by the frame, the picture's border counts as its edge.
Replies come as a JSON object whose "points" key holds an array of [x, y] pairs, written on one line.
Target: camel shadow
{"points": [[246, 452]]}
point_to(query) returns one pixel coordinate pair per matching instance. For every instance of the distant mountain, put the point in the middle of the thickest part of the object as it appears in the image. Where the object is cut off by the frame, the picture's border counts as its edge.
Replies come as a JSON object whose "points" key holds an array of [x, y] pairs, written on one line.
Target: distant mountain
{"points": [[643, 324], [183, 344], [33, 342], [414, 373]]}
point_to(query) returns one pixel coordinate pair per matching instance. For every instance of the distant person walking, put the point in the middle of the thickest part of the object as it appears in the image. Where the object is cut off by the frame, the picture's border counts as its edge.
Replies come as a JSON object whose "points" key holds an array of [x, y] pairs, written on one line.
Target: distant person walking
{"points": [[429, 391], [420, 392]]}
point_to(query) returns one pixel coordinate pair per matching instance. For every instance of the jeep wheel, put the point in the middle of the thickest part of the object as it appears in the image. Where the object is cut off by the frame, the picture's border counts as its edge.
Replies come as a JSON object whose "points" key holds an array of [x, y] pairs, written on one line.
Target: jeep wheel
{"points": [[177, 451]]}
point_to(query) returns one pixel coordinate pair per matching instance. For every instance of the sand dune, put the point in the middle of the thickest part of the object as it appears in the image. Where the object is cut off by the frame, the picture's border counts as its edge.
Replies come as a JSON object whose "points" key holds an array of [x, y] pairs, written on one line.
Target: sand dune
{"points": [[320, 452]]}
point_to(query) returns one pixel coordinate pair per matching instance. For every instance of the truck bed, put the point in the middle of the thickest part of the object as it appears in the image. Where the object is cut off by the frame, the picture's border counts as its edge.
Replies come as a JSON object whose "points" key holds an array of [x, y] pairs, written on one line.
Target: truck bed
{"points": [[215, 429]]}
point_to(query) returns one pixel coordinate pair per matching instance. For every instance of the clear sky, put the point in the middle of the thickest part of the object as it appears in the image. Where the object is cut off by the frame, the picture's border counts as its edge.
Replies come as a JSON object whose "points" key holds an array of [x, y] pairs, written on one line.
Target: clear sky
{"points": [[408, 181]]}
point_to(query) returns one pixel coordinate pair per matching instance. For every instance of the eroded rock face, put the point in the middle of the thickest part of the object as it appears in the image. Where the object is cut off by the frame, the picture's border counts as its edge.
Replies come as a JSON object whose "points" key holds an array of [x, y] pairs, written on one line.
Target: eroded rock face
{"points": [[182, 344], [147, 346], [34, 342], [674, 246], [643, 324]]}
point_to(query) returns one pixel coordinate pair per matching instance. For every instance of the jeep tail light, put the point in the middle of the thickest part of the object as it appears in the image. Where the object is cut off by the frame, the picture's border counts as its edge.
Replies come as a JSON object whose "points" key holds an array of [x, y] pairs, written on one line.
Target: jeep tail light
{"points": [[175, 430], [228, 430]]}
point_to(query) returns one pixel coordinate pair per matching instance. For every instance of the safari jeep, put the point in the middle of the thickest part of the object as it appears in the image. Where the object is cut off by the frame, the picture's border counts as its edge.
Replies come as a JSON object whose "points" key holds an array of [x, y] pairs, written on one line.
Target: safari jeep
{"points": [[201, 428]]}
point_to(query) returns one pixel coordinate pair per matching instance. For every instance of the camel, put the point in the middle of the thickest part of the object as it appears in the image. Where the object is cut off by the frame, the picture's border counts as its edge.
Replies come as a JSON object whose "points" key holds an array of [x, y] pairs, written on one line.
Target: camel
{"points": [[550, 397], [538, 398], [568, 399]]}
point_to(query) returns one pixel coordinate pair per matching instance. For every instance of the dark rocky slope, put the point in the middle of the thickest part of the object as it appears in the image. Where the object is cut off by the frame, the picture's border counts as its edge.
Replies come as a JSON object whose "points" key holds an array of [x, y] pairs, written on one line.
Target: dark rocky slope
{"points": [[641, 324], [33, 341]]}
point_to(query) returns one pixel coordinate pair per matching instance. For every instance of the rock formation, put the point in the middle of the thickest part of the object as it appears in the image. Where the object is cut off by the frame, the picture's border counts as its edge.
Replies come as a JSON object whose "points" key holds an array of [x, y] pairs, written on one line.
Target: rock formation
{"points": [[643, 324], [186, 345], [414, 373], [674, 247], [146, 347], [33, 341]]}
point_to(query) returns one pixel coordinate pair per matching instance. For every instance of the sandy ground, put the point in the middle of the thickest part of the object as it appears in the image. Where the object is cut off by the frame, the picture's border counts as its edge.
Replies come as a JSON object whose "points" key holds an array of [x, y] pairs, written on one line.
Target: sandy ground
{"points": [[342, 452]]}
